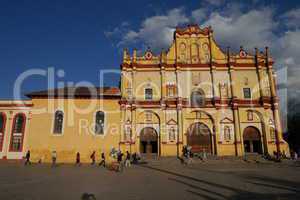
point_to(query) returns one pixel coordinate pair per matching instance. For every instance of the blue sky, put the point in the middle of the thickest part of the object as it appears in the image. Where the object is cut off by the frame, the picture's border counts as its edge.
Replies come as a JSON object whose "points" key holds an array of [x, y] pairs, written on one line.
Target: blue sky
{"points": [[82, 37]]}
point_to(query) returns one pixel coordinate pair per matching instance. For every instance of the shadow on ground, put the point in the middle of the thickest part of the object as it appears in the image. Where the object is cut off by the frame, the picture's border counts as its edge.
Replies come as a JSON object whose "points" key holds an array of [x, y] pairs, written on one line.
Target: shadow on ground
{"points": [[205, 189]]}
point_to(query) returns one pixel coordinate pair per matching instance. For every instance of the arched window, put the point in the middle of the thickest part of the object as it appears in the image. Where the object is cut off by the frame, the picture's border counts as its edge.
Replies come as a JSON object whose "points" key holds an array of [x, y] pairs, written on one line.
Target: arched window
{"points": [[2, 129], [58, 122], [227, 134], [197, 98], [99, 124], [18, 132]]}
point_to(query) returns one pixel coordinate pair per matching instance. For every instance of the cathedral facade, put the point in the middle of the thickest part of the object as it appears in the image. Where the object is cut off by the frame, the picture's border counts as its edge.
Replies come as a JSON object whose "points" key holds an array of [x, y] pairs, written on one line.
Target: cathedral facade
{"points": [[195, 94]]}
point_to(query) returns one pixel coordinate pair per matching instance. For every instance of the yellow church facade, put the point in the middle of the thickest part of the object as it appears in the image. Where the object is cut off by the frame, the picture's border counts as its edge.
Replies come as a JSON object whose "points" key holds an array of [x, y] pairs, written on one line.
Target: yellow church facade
{"points": [[195, 94]]}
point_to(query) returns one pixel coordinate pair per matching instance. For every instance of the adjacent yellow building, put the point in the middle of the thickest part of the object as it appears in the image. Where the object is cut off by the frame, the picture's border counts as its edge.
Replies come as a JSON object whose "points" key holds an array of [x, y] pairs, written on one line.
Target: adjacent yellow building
{"points": [[192, 94]]}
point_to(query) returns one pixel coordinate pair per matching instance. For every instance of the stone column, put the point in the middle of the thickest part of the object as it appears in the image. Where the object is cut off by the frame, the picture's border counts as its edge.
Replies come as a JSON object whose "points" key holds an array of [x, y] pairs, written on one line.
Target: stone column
{"points": [[162, 131], [179, 129], [275, 102], [122, 118], [215, 88], [7, 133], [237, 132], [133, 140], [217, 131], [133, 87], [162, 82], [259, 74], [179, 114]]}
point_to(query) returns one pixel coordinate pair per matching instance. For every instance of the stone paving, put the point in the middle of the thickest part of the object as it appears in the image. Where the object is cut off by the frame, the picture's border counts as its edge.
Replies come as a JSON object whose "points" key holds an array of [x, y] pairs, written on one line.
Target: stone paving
{"points": [[158, 179]]}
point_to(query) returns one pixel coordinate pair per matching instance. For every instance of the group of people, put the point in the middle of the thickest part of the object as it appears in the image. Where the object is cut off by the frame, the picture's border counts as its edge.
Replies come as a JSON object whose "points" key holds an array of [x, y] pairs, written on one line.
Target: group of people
{"points": [[116, 154], [93, 159], [187, 155]]}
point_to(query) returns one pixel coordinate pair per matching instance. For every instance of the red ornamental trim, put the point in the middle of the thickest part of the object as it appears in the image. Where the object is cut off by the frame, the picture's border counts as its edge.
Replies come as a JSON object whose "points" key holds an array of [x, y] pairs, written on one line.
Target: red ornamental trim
{"points": [[12, 132], [193, 29], [2, 130], [182, 65], [127, 143], [209, 103], [16, 105]]}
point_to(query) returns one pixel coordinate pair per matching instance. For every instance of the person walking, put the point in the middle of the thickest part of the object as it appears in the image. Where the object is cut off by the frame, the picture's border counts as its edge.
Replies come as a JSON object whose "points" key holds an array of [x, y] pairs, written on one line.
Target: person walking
{"points": [[54, 157], [119, 159], [27, 157], [134, 158], [102, 162], [184, 155], [93, 158], [189, 154], [78, 163], [128, 159]]}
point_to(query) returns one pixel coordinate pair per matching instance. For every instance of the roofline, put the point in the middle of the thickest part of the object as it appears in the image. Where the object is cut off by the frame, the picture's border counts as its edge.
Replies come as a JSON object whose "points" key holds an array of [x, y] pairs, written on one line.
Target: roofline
{"points": [[74, 97]]}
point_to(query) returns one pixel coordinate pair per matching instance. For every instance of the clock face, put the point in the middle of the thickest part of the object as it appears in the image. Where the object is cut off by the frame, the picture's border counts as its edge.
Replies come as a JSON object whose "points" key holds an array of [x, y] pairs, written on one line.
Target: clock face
{"points": [[148, 55], [243, 54]]}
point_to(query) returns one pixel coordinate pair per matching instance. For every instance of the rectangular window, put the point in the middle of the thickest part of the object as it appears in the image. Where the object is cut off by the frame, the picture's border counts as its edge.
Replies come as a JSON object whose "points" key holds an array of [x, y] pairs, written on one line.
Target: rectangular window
{"points": [[247, 93], [171, 90], [148, 94]]}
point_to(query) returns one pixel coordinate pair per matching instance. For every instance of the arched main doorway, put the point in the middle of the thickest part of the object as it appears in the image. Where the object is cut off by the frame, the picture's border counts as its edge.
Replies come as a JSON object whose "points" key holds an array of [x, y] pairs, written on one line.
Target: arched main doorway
{"points": [[148, 141], [199, 138], [252, 140]]}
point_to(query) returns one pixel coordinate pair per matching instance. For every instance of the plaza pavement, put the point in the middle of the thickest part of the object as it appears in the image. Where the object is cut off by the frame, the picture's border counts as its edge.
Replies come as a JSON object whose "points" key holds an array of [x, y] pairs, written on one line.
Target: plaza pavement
{"points": [[161, 179]]}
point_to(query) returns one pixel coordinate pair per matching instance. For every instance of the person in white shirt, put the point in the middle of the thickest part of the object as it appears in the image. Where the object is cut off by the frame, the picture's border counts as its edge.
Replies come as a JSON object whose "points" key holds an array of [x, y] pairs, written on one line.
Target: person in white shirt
{"points": [[54, 157]]}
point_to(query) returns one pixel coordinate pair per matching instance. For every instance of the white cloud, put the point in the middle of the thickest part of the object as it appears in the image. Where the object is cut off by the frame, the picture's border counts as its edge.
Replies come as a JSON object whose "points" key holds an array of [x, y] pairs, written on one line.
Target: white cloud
{"points": [[233, 26], [292, 18], [251, 29], [214, 2], [156, 31], [199, 15], [289, 57]]}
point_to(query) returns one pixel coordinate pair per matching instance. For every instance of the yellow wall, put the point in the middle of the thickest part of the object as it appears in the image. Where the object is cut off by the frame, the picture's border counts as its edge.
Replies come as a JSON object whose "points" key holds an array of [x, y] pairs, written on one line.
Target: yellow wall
{"points": [[78, 134]]}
